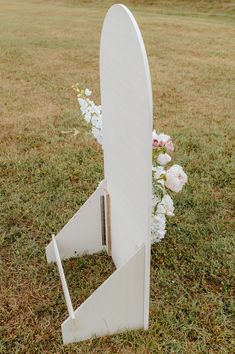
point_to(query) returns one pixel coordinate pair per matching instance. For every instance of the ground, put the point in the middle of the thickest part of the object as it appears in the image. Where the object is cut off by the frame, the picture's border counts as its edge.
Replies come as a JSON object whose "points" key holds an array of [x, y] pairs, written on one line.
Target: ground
{"points": [[46, 47]]}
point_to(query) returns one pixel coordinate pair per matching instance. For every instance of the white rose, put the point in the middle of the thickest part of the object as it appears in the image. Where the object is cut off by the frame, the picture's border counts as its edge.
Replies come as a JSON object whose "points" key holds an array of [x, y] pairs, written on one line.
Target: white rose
{"points": [[167, 202], [163, 137], [175, 178], [88, 92], [163, 159]]}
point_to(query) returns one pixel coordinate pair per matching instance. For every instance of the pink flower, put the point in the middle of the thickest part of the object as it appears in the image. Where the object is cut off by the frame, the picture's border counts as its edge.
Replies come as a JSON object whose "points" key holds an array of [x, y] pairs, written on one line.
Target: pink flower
{"points": [[161, 143], [169, 146], [162, 140], [155, 143]]}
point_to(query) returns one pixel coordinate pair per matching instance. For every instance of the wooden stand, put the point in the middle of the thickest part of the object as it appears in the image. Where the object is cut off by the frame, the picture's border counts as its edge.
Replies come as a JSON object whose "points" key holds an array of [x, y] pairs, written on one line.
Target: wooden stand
{"points": [[117, 215], [118, 303]]}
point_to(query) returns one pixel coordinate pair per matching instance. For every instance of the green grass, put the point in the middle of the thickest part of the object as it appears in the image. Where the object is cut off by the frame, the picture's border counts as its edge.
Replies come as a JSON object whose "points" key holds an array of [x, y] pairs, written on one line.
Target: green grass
{"points": [[46, 47]]}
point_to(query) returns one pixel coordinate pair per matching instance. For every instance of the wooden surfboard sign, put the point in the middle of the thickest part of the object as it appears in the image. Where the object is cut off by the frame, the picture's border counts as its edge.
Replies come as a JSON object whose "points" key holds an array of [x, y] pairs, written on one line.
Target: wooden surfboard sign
{"points": [[120, 208]]}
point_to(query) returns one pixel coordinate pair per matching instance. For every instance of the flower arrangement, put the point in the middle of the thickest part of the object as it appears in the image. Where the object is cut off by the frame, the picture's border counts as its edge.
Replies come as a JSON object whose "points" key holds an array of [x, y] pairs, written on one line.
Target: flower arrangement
{"points": [[90, 111], [165, 180]]}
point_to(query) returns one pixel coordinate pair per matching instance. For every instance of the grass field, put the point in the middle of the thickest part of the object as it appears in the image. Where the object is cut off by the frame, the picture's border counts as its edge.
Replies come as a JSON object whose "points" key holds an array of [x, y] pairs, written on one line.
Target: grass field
{"points": [[46, 47]]}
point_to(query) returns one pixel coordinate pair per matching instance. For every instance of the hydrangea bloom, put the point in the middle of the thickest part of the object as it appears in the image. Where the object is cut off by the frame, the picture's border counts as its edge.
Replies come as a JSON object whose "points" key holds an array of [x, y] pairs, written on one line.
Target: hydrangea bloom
{"points": [[158, 227]]}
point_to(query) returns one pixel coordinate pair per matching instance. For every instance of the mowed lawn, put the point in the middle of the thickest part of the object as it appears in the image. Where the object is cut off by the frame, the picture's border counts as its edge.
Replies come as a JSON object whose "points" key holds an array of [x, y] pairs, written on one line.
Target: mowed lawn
{"points": [[45, 48]]}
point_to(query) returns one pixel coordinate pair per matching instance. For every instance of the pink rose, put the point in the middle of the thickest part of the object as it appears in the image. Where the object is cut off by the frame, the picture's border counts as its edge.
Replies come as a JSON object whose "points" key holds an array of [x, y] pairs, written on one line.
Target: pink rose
{"points": [[169, 146], [155, 143], [161, 143]]}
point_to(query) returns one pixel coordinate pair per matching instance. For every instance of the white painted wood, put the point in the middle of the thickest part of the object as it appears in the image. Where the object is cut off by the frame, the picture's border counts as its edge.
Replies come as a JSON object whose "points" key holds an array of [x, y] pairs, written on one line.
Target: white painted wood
{"points": [[82, 234], [122, 301], [126, 98], [118, 304], [63, 280]]}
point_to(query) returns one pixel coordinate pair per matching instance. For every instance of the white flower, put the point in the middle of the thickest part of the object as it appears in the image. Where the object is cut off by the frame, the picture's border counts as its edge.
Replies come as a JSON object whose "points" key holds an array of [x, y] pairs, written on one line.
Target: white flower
{"points": [[158, 227], [96, 122], [97, 134], [161, 209], [163, 159], [155, 200], [88, 92], [82, 102], [167, 202], [97, 110], [160, 137], [163, 137], [87, 117], [92, 106], [84, 110], [154, 169], [154, 135], [159, 173], [175, 178], [99, 124]]}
